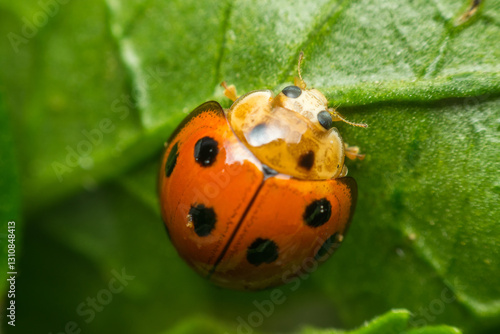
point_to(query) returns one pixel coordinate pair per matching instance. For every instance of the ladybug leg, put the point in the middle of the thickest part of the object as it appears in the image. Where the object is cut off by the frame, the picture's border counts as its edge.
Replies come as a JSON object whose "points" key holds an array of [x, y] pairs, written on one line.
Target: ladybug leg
{"points": [[229, 91], [352, 152]]}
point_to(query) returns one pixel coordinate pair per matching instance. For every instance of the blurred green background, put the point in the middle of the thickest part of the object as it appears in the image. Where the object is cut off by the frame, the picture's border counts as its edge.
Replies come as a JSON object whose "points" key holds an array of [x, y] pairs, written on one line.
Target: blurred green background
{"points": [[90, 90]]}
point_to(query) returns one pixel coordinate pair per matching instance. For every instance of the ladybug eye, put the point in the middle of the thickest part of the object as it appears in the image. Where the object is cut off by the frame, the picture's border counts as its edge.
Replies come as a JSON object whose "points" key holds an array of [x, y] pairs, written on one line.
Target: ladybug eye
{"points": [[292, 91], [325, 119]]}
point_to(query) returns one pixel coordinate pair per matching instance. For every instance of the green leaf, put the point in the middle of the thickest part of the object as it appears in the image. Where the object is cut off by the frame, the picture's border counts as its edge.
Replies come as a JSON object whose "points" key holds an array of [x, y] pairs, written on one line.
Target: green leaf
{"points": [[425, 236], [393, 322]]}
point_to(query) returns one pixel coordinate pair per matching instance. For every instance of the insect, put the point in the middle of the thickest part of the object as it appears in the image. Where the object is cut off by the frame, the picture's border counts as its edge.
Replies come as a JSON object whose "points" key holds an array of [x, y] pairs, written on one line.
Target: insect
{"points": [[251, 193]]}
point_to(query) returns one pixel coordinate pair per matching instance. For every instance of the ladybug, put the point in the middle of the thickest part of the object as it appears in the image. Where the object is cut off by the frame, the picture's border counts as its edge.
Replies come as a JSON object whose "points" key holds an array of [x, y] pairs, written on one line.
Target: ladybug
{"points": [[251, 193]]}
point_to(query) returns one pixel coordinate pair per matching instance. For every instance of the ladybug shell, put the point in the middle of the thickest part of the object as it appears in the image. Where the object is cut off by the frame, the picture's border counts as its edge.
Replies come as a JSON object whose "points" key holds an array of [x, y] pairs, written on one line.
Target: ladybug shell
{"points": [[237, 222]]}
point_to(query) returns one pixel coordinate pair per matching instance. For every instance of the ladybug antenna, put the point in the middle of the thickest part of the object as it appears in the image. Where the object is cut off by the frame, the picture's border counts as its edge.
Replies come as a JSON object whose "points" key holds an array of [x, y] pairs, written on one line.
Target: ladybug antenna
{"points": [[336, 116], [299, 82]]}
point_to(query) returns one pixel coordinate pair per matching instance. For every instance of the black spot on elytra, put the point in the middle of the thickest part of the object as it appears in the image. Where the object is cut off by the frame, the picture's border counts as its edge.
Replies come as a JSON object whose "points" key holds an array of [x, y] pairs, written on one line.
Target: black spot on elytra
{"points": [[171, 160], [318, 213], [292, 91], [205, 151], [306, 160], [262, 251], [328, 247], [203, 219]]}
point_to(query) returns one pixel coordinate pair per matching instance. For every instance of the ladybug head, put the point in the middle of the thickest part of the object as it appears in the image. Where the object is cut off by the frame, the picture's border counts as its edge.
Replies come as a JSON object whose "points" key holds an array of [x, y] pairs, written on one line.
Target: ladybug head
{"points": [[310, 103]]}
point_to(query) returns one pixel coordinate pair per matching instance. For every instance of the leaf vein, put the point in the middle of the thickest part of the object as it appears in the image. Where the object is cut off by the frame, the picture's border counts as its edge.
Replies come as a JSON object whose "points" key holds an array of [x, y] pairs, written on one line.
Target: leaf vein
{"points": [[334, 10], [224, 29]]}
